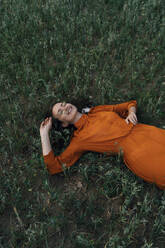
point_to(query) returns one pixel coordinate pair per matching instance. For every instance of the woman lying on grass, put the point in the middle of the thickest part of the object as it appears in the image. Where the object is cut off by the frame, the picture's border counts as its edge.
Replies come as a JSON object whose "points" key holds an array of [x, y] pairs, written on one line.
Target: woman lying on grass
{"points": [[108, 129]]}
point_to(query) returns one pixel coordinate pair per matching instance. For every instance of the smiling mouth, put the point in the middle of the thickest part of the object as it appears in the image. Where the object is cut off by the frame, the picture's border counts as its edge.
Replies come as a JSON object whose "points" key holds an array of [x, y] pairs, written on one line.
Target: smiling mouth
{"points": [[68, 111]]}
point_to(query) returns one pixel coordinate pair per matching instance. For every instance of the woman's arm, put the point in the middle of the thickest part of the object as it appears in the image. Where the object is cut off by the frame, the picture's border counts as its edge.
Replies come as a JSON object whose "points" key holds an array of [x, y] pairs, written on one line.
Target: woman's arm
{"points": [[57, 164], [126, 110], [45, 127], [122, 109]]}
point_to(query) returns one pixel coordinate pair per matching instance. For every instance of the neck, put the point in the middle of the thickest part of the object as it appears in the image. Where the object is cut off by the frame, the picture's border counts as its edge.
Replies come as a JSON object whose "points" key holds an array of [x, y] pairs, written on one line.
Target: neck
{"points": [[77, 117]]}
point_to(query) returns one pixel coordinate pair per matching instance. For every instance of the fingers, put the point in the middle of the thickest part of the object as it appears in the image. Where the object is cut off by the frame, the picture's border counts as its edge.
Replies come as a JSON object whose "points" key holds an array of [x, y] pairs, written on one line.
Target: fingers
{"points": [[42, 123], [134, 122], [46, 121], [134, 119], [126, 120], [131, 118]]}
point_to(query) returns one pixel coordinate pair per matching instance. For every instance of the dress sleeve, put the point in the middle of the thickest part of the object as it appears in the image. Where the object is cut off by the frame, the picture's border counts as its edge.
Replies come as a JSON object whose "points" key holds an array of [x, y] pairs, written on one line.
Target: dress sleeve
{"points": [[57, 164], [122, 108]]}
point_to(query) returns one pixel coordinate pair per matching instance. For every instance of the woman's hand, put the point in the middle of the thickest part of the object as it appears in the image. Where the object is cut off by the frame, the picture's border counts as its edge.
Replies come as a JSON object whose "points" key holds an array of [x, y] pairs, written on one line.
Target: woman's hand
{"points": [[131, 118], [45, 126]]}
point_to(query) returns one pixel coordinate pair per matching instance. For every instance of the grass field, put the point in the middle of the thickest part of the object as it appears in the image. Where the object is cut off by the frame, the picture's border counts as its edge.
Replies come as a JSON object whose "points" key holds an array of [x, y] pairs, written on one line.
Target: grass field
{"points": [[90, 51]]}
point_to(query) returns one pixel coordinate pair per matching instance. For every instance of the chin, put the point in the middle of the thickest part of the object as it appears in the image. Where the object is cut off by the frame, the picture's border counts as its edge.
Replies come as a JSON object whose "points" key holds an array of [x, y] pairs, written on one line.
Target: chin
{"points": [[73, 113]]}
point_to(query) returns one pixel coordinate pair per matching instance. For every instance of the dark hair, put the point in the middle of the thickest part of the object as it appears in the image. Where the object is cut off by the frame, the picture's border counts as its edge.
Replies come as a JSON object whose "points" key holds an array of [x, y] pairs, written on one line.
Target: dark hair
{"points": [[56, 124], [61, 136], [79, 104]]}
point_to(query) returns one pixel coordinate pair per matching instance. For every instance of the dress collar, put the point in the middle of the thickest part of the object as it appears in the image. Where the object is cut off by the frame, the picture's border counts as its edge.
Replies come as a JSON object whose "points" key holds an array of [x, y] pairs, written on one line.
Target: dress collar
{"points": [[81, 122]]}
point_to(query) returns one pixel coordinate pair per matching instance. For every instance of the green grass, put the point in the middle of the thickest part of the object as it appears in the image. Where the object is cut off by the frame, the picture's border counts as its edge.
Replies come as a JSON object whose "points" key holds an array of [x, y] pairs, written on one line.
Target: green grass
{"points": [[101, 52]]}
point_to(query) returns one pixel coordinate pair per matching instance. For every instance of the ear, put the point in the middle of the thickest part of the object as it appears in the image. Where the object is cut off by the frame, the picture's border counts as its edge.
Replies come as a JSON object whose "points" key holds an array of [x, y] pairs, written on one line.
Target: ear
{"points": [[65, 124]]}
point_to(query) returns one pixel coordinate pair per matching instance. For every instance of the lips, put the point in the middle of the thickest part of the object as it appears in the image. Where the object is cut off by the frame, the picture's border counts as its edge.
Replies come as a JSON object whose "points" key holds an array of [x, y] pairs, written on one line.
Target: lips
{"points": [[68, 110]]}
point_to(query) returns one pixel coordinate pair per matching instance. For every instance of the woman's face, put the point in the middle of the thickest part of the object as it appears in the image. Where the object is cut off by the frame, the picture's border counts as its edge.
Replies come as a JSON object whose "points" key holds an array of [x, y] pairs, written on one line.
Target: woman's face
{"points": [[64, 112]]}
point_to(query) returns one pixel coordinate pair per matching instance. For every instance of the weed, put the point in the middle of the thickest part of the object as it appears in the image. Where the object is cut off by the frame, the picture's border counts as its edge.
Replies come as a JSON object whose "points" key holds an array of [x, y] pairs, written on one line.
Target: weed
{"points": [[100, 52]]}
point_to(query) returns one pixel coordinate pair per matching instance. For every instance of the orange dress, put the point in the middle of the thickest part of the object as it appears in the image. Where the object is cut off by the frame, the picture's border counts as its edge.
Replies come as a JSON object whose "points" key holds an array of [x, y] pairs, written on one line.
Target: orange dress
{"points": [[104, 130]]}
